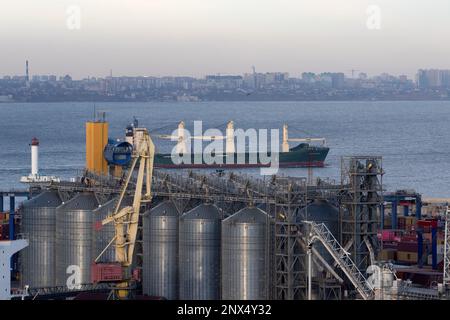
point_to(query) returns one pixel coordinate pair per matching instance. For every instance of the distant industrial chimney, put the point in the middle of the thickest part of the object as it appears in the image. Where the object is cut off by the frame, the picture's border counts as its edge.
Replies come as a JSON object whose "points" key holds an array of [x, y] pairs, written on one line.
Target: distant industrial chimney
{"points": [[26, 71]]}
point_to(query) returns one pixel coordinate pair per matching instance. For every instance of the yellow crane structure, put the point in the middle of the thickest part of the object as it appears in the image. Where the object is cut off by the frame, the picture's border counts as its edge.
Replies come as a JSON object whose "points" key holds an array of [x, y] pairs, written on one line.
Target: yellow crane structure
{"points": [[126, 219]]}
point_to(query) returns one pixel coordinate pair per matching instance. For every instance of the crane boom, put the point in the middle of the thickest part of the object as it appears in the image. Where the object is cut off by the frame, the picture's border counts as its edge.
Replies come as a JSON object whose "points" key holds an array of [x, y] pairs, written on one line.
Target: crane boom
{"points": [[126, 220]]}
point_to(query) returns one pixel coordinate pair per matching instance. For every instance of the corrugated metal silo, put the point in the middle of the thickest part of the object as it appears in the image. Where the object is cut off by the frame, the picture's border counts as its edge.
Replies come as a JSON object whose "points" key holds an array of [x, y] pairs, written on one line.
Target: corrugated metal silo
{"points": [[160, 251], [199, 253], [74, 224], [39, 227], [245, 256]]}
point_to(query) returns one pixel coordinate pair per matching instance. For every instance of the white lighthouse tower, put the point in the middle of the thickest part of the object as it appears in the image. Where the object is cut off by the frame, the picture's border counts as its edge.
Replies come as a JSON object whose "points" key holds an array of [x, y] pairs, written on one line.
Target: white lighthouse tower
{"points": [[34, 175], [34, 156]]}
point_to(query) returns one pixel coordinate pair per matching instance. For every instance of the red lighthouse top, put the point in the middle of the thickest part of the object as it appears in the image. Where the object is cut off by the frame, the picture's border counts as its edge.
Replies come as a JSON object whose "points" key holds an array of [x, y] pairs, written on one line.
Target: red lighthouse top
{"points": [[34, 142]]}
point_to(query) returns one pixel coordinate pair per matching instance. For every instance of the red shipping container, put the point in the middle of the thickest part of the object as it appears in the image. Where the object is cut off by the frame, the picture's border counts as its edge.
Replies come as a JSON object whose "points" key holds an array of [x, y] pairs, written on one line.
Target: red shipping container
{"points": [[427, 225], [390, 245], [409, 238], [387, 235], [4, 231], [407, 246], [106, 272], [137, 274]]}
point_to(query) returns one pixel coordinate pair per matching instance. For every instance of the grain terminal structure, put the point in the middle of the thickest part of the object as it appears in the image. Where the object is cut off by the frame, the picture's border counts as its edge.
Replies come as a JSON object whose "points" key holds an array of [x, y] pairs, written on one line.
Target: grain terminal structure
{"points": [[219, 235], [222, 235]]}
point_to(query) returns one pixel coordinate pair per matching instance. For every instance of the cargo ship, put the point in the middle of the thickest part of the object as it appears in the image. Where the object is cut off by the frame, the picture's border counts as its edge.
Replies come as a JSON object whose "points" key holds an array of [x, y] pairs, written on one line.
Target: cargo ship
{"points": [[305, 154]]}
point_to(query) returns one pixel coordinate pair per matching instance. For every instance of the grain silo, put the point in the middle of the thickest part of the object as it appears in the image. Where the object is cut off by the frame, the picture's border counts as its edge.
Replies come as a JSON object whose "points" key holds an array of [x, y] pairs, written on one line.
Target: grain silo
{"points": [[74, 224], [160, 251], [199, 253], [39, 227], [245, 257]]}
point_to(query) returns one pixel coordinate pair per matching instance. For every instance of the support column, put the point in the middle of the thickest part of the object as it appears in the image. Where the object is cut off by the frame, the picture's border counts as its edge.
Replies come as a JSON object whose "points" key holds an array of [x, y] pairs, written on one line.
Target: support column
{"points": [[382, 215], [418, 207], [419, 248], [406, 211], [394, 215], [12, 208], [434, 248], [1, 203]]}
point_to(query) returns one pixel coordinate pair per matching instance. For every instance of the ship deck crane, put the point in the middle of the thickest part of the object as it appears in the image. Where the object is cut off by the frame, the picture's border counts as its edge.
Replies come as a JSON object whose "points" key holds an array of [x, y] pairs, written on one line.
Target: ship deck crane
{"points": [[286, 140], [126, 219], [182, 138]]}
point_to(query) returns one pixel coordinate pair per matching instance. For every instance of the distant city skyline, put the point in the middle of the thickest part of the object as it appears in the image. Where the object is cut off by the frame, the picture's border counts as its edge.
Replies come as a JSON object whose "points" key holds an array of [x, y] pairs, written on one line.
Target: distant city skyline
{"points": [[430, 84], [27, 69], [198, 37]]}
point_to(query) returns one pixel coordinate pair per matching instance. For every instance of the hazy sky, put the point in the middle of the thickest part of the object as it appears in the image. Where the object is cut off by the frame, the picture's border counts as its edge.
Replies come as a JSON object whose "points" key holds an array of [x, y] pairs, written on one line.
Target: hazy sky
{"points": [[198, 37]]}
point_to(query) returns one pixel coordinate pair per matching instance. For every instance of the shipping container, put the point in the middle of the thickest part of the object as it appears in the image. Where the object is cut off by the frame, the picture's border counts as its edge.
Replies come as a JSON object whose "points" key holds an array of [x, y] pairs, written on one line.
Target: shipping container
{"points": [[390, 245], [409, 257], [106, 272], [421, 277], [387, 254], [387, 235], [4, 231], [407, 246]]}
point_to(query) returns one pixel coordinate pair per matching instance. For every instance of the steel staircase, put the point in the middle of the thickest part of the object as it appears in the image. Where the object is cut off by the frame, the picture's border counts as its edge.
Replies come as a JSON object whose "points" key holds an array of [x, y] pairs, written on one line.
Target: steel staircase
{"points": [[319, 231]]}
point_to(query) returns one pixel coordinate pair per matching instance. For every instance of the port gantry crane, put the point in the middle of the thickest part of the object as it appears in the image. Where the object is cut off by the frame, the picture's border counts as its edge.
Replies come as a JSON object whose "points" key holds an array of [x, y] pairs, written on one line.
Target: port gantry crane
{"points": [[126, 220]]}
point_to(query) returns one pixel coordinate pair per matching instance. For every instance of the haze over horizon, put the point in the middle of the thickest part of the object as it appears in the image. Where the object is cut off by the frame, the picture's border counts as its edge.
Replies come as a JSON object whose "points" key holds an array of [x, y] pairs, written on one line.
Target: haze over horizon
{"points": [[199, 37]]}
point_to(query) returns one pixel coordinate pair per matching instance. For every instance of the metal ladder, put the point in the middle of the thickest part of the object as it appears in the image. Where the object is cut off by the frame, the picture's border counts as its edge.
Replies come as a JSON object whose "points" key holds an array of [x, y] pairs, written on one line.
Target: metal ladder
{"points": [[446, 277], [407, 292], [320, 232]]}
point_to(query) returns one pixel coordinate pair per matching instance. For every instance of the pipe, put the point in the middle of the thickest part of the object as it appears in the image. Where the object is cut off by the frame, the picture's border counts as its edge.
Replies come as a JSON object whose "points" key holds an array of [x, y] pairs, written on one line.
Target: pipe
{"points": [[371, 252], [309, 274], [326, 265], [382, 216], [285, 144]]}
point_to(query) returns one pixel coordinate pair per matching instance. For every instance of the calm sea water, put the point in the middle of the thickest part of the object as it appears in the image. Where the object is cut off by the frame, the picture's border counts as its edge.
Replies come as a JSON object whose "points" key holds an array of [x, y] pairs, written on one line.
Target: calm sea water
{"points": [[412, 137]]}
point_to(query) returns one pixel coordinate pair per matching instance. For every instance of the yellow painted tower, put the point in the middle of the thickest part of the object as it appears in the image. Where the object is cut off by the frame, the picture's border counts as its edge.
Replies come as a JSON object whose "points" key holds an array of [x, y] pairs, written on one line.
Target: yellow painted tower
{"points": [[96, 140]]}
